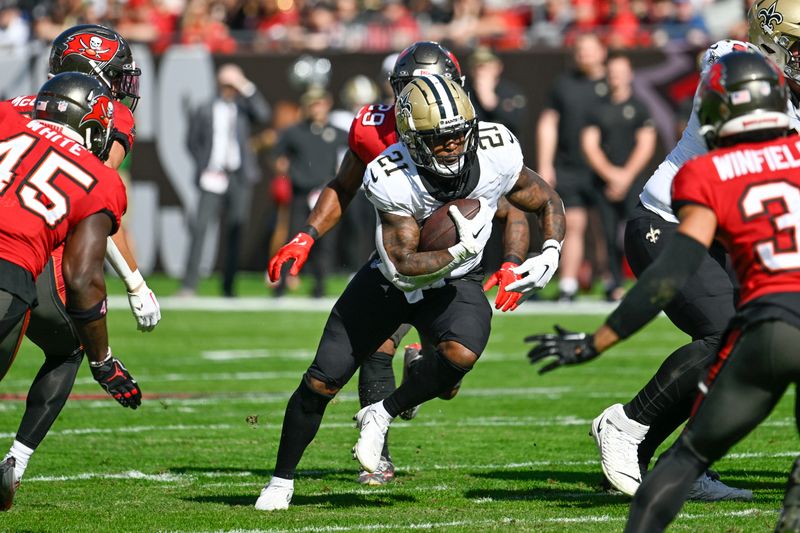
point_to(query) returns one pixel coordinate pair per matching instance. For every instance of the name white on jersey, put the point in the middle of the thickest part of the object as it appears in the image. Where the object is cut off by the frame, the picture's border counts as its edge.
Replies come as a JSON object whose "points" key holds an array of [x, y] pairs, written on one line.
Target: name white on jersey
{"points": [[657, 193], [393, 185]]}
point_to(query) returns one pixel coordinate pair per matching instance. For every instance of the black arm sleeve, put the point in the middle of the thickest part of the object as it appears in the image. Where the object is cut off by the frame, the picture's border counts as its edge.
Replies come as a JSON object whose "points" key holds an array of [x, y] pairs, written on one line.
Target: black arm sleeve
{"points": [[657, 285]]}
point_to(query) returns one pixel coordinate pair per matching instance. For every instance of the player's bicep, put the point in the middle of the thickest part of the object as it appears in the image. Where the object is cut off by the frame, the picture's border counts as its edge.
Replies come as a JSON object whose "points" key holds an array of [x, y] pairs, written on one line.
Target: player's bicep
{"points": [[400, 235], [698, 222]]}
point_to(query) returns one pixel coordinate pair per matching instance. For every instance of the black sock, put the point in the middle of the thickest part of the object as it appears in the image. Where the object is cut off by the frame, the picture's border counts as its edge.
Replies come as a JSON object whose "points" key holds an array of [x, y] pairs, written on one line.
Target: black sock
{"points": [[375, 383], [47, 396], [429, 378], [660, 497], [300, 424], [675, 380]]}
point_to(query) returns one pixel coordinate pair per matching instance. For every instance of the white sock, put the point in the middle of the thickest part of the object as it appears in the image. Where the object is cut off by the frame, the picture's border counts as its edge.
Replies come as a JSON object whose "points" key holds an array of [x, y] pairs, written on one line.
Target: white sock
{"points": [[281, 482], [568, 285], [22, 454], [628, 425]]}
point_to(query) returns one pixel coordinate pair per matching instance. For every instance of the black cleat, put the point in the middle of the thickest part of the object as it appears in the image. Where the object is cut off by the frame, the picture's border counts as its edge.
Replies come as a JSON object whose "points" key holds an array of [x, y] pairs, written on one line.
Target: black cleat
{"points": [[8, 483]]}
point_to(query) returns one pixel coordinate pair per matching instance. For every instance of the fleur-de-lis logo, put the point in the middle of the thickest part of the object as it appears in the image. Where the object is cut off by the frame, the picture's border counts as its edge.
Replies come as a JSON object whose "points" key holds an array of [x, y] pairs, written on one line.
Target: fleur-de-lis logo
{"points": [[770, 17], [404, 103], [653, 234]]}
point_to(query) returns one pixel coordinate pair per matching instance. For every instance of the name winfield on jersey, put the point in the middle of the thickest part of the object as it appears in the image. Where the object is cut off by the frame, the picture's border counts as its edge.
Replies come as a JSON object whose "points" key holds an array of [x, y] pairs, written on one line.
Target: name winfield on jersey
{"points": [[657, 193], [393, 184]]}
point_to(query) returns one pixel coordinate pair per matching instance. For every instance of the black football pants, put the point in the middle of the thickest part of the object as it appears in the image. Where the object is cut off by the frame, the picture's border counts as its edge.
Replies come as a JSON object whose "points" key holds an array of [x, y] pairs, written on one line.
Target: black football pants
{"points": [[748, 378], [14, 315], [52, 330], [702, 309]]}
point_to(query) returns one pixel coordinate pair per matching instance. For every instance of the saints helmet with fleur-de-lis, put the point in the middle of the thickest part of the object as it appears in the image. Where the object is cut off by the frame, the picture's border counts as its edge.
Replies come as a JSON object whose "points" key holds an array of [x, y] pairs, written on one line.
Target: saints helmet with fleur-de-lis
{"points": [[774, 26], [432, 110]]}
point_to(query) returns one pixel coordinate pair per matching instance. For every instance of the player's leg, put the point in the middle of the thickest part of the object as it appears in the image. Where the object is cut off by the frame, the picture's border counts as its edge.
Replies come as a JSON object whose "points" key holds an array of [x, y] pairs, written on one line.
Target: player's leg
{"points": [[51, 330], [14, 315], [702, 309], [376, 382], [366, 314], [750, 375], [457, 317]]}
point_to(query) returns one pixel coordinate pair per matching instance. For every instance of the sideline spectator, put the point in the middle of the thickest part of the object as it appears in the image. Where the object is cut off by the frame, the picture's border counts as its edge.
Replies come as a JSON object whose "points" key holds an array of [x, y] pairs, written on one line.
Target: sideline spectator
{"points": [[308, 153], [495, 98], [619, 142], [560, 158], [218, 141]]}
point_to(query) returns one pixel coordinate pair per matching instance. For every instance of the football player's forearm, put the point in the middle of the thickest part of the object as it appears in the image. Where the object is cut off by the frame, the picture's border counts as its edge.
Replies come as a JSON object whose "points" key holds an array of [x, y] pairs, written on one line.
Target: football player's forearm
{"points": [[516, 236], [94, 336], [414, 264], [328, 211], [120, 257]]}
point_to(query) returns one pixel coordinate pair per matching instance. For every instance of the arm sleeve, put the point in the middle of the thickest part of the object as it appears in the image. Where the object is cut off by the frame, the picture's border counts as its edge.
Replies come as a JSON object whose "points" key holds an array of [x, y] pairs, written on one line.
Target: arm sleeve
{"points": [[657, 286]]}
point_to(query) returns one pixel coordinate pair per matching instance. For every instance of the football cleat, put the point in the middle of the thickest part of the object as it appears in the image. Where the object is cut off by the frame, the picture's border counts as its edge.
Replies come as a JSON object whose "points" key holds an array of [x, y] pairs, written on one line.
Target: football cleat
{"points": [[8, 483], [373, 421], [707, 489], [276, 495], [617, 438], [412, 354], [381, 476]]}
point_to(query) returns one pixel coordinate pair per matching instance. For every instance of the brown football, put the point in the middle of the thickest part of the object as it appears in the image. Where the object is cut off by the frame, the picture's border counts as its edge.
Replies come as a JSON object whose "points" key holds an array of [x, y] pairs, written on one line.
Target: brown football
{"points": [[439, 231]]}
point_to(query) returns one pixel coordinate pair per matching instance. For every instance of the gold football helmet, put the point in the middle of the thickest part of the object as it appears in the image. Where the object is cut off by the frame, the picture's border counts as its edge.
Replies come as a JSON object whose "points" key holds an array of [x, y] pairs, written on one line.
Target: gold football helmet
{"points": [[775, 28], [437, 123]]}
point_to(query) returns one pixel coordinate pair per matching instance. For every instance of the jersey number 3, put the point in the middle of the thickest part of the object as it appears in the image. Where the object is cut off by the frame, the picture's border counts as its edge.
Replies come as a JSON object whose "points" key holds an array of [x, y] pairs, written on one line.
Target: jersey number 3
{"points": [[38, 184], [755, 202]]}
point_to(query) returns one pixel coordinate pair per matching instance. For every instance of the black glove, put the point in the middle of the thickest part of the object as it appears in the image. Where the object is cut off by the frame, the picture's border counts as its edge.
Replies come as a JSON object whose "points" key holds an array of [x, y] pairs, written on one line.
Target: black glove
{"points": [[569, 348], [117, 381]]}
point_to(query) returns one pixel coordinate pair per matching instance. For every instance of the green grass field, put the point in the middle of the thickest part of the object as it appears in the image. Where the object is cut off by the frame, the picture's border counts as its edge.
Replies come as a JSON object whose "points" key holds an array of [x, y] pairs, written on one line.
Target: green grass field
{"points": [[511, 452]]}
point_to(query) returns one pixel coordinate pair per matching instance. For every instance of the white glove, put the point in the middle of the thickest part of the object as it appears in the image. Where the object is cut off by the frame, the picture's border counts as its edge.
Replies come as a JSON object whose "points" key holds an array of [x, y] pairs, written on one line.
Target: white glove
{"points": [[144, 307], [537, 271], [473, 234]]}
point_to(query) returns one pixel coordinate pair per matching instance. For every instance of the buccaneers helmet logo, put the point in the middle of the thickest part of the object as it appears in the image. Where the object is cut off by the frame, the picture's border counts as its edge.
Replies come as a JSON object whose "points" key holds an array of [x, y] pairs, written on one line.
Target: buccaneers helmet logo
{"points": [[102, 111], [714, 79], [92, 47]]}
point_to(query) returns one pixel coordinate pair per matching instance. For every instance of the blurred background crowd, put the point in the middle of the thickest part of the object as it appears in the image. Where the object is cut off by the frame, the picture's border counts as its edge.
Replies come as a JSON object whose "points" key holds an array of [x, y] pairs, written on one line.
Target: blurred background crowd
{"points": [[305, 67], [226, 26]]}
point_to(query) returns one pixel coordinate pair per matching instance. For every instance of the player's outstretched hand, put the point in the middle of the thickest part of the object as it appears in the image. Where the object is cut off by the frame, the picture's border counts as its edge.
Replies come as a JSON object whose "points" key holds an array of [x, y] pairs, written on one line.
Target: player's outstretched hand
{"points": [[145, 308], [117, 381], [298, 249], [506, 301], [568, 348]]}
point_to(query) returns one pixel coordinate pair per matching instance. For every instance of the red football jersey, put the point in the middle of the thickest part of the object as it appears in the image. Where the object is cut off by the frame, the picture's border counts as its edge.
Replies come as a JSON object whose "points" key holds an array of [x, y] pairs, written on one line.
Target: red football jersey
{"points": [[123, 118], [48, 184], [372, 131], [754, 190]]}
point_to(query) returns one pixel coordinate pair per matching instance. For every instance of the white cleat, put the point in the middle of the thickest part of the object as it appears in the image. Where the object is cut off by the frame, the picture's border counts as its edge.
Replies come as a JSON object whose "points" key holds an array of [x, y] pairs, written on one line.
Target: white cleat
{"points": [[373, 421], [276, 495], [617, 438]]}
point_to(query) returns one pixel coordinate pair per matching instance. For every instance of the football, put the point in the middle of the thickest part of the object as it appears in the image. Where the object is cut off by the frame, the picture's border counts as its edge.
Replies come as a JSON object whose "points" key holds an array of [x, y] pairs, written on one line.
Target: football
{"points": [[439, 231]]}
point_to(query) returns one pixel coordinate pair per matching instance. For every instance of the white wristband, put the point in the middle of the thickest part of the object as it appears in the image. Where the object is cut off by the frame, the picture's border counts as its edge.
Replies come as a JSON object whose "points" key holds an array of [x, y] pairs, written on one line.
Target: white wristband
{"points": [[552, 243], [134, 280]]}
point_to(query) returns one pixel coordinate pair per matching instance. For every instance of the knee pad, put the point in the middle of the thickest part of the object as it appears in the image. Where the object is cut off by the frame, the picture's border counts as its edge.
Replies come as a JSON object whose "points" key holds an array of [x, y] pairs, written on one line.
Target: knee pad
{"points": [[311, 401]]}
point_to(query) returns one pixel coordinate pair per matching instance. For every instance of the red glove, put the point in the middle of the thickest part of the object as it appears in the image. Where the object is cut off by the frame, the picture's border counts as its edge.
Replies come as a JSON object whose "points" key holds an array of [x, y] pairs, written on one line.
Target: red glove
{"points": [[508, 301], [297, 249]]}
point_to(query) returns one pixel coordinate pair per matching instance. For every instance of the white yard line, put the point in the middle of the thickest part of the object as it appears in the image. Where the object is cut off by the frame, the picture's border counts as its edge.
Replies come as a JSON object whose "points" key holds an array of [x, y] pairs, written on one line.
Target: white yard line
{"points": [[507, 521], [324, 305]]}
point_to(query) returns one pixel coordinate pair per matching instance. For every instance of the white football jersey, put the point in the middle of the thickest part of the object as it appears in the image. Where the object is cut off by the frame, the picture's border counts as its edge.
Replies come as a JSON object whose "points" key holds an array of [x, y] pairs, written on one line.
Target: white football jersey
{"points": [[393, 185], [657, 193]]}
